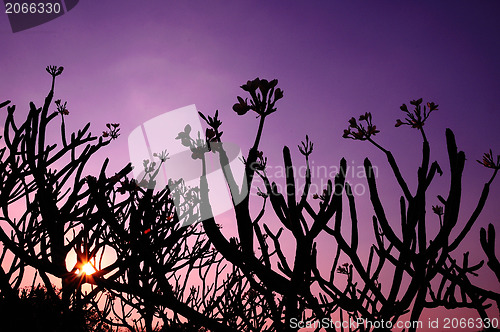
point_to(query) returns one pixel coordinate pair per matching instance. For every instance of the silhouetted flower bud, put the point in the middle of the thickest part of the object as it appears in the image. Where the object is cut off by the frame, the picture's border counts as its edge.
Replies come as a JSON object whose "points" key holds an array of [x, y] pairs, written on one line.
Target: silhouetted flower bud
{"points": [[352, 122], [278, 94]]}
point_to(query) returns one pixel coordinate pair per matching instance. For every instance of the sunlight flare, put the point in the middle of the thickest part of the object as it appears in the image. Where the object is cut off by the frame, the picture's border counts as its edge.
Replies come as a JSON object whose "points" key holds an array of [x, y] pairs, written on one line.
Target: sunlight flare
{"points": [[87, 268]]}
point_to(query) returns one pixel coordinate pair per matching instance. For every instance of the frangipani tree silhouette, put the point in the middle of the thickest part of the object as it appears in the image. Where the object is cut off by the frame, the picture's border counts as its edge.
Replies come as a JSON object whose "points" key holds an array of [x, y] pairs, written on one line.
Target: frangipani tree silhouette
{"points": [[49, 199], [49, 209], [158, 258], [161, 275], [421, 259], [44, 211], [287, 283]]}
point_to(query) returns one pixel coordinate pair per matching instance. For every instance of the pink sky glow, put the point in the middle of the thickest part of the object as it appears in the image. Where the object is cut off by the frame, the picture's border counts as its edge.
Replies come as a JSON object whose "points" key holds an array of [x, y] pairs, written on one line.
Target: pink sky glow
{"points": [[129, 61]]}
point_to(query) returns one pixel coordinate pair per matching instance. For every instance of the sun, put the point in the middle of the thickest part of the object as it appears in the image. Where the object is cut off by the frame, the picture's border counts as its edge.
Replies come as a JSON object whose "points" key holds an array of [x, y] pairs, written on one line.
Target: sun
{"points": [[87, 268]]}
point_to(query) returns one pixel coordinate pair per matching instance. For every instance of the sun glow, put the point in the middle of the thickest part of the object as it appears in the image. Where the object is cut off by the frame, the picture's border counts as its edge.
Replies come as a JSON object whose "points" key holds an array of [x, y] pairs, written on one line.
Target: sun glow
{"points": [[87, 268]]}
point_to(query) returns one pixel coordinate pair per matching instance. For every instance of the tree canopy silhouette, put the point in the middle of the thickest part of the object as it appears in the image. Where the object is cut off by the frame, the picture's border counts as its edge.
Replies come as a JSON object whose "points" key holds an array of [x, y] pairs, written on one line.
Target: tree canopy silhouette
{"points": [[161, 275]]}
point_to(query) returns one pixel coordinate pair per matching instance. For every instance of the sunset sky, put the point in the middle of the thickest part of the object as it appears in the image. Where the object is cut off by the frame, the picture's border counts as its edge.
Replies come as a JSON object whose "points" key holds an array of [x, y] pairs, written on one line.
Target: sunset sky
{"points": [[129, 61]]}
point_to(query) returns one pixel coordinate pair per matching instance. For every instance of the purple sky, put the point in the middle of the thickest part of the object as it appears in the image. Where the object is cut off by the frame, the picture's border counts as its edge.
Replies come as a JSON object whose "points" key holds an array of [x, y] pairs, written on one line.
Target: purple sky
{"points": [[129, 61]]}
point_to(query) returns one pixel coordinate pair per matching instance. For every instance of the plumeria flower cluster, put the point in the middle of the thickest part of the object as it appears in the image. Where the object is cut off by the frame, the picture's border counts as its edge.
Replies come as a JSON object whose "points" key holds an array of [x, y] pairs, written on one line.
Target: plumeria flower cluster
{"points": [[260, 162], [61, 108], [113, 130], [416, 118], [128, 186], [489, 162], [264, 97], [212, 140], [198, 147], [149, 167], [358, 131], [323, 196], [214, 122], [212, 134], [344, 268], [184, 136], [307, 147], [437, 209], [163, 156], [54, 70]]}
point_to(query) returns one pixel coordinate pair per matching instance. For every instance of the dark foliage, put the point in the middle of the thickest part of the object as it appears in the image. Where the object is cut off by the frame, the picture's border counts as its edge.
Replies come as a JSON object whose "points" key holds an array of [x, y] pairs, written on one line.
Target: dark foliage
{"points": [[169, 277]]}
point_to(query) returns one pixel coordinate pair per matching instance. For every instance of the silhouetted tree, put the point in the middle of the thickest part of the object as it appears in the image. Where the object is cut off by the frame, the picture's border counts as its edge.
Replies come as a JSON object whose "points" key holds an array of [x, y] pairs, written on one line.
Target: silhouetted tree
{"points": [[287, 283], [49, 209], [156, 256], [161, 275], [44, 207], [414, 256]]}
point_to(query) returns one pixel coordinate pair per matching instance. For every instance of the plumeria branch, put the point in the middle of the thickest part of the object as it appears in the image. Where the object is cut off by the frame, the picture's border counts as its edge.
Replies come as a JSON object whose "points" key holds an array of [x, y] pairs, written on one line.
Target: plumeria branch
{"points": [[489, 162], [361, 132]]}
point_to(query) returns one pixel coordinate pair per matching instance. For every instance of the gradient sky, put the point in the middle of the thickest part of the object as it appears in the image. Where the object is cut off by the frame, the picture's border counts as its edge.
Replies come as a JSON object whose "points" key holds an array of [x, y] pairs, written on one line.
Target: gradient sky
{"points": [[129, 61]]}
